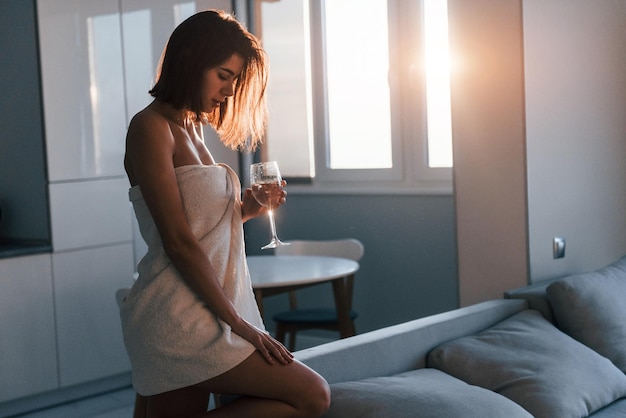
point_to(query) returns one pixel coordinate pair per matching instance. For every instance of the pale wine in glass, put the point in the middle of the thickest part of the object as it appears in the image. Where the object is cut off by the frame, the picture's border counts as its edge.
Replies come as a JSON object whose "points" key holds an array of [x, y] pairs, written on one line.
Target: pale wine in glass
{"points": [[267, 186]]}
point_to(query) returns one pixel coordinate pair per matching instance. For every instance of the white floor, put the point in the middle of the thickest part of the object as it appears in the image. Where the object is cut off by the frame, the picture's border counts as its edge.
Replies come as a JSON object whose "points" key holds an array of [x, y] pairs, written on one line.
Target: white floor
{"points": [[117, 404]]}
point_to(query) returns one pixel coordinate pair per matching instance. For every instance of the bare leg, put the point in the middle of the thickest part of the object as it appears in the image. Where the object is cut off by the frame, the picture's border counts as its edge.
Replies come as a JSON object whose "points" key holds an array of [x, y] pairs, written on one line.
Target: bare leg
{"points": [[272, 391]]}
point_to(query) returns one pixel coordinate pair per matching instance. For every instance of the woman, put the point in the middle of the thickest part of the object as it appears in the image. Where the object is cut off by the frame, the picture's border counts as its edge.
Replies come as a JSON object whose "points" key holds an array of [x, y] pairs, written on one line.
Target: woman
{"points": [[191, 325]]}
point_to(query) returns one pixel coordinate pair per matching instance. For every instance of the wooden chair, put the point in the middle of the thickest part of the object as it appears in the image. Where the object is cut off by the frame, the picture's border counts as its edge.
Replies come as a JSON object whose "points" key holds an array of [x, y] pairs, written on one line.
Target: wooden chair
{"points": [[294, 320]]}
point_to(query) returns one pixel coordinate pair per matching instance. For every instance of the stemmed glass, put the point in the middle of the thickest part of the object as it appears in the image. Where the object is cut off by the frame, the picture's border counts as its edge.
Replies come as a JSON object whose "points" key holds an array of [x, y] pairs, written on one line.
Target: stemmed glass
{"points": [[267, 185]]}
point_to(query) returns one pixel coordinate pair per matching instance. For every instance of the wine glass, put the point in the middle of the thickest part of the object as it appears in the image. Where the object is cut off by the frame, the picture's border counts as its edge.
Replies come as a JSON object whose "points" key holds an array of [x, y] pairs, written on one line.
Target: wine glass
{"points": [[267, 185]]}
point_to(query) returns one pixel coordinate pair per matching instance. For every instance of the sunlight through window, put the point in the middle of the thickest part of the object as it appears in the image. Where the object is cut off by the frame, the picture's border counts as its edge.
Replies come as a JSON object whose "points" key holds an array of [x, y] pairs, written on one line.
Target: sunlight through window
{"points": [[345, 107], [437, 83], [357, 67]]}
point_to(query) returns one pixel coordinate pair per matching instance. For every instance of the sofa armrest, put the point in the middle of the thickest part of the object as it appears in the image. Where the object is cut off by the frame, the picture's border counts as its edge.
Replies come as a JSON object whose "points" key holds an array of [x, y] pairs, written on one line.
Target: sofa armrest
{"points": [[536, 296], [403, 347]]}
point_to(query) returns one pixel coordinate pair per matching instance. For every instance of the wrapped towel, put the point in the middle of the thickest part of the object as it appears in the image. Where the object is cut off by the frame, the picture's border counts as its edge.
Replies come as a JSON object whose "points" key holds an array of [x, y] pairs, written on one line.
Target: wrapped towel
{"points": [[172, 339]]}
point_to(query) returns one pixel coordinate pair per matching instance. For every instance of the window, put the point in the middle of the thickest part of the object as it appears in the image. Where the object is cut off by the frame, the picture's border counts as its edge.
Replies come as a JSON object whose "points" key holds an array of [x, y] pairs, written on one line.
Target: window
{"points": [[437, 58], [353, 102], [357, 89], [284, 31]]}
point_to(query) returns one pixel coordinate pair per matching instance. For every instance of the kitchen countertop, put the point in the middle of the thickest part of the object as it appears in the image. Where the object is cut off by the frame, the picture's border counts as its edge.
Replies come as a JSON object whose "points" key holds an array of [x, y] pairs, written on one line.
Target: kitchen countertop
{"points": [[14, 247]]}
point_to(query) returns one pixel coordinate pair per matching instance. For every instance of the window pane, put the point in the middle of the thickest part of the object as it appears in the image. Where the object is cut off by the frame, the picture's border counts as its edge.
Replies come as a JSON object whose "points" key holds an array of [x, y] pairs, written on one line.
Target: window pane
{"points": [[357, 67], [285, 35], [437, 83]]}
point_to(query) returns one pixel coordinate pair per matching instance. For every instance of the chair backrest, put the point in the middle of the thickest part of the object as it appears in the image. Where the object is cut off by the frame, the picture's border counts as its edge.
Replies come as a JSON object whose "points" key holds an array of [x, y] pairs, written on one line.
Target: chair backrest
{"points": [[347, 248]]}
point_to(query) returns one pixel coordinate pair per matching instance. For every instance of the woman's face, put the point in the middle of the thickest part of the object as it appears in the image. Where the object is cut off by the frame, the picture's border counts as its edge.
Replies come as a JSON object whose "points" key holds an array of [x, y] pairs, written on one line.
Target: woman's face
{"points": [[219, 82]]}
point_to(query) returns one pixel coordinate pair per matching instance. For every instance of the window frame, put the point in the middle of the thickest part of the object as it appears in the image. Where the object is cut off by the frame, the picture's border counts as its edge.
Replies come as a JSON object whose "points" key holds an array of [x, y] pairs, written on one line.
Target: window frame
{"points": [[410, 172]]}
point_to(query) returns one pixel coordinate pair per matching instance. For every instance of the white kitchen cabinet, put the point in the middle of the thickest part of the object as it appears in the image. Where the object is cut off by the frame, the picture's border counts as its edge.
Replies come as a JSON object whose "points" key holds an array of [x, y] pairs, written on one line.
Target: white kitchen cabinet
{"points": [[90, 213], [28, 356], [88, 324], [83, 88]]}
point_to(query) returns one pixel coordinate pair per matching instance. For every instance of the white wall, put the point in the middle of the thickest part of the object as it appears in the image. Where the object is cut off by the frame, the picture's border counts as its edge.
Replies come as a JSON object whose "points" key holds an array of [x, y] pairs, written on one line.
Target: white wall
{"points": [[575, 70], [489, 152], [570, 150]]}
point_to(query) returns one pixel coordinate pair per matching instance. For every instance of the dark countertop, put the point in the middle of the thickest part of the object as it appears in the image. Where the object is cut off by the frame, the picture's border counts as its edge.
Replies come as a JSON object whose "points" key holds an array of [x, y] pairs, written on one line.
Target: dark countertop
{"points": [[14, 247]]}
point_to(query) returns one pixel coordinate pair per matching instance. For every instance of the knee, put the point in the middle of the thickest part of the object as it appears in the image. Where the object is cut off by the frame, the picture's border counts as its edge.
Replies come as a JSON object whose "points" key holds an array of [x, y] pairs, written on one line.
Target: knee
{"points": [[317, 401]]}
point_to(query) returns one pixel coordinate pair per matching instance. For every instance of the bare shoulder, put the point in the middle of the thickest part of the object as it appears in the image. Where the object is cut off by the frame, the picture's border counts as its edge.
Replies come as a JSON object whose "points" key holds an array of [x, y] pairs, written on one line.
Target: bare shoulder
{"points": [[149, 144], [149, 130], [148, 122]]}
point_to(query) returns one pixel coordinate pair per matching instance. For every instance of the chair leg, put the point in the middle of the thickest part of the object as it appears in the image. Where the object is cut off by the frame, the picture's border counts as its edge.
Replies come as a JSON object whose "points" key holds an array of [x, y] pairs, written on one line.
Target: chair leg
{"points": [[217, 400], [280, 333], [292, 340], [140, 407]]}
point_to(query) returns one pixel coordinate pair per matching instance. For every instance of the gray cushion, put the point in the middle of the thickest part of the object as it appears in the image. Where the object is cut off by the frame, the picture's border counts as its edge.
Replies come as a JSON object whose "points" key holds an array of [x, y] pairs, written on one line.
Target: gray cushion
{"points": [[422, 393], [528, 360], [591, 307], [615, 410]]}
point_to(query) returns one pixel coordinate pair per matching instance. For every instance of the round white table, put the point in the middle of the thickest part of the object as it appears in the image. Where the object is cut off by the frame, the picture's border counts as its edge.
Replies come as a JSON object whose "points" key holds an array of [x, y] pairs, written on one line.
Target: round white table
{"points": [[275, 274]]}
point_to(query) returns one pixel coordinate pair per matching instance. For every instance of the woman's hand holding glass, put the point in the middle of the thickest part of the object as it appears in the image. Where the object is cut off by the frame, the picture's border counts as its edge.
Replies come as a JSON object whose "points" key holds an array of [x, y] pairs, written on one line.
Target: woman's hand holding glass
{"points": [[267, 188], [250, 208]]}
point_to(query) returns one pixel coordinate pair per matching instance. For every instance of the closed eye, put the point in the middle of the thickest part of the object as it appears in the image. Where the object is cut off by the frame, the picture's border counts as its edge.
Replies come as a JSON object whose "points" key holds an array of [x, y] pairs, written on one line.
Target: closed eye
{"points": [[226, 74]]}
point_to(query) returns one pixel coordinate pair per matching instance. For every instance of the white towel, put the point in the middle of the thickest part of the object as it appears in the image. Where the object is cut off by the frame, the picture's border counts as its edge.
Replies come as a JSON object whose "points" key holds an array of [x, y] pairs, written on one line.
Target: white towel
{"points": [[172, 339]]}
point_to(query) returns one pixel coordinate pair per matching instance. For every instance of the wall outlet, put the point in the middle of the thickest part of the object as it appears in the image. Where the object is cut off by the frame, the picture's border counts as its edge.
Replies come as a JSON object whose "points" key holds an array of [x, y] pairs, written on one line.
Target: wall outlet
{"points": [[558, 247]]}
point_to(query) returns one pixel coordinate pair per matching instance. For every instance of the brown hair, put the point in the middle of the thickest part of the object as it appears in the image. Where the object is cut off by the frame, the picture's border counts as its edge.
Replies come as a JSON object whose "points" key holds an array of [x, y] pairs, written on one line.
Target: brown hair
{"points": [[204, 41]]}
